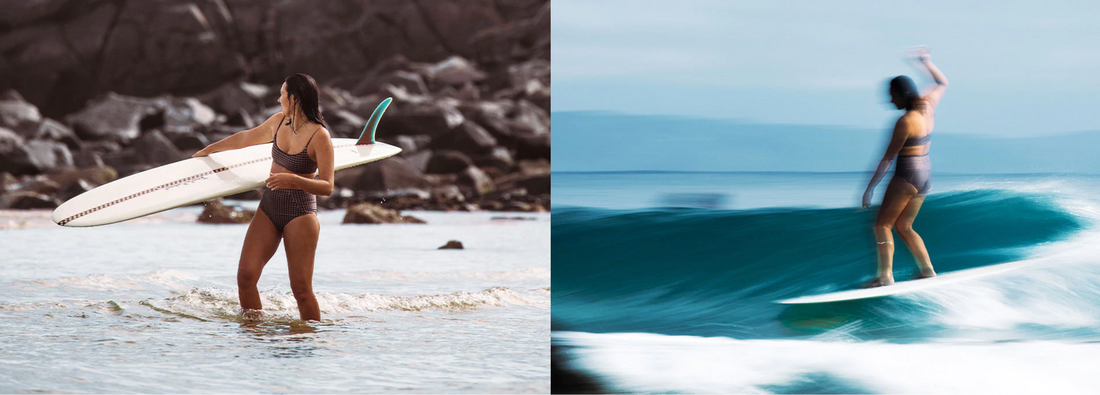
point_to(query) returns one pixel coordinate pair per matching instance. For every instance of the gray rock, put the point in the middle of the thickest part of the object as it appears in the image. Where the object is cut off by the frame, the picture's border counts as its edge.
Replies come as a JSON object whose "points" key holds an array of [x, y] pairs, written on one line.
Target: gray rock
{"points": [[52, 130], [454, 70], [234, 97], [533, 147], [447, 193], [448, 161], [185, 115], [366, 213], [154, 148], [419, 160], [113, 117], [390, 174], [45, 155], [24, 200], [412, 82], [430, 119], [409, 144], [20, 116], [345, 123], [499, 158], [452, 245], [470, 138], [195, 141], [477, 180], [75, 189], [217, 212]]}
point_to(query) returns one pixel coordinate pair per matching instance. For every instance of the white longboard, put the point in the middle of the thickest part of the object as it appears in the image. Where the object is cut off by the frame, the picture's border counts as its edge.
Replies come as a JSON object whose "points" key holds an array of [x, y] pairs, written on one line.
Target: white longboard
{"points": [[195, 180], [902, 287]]}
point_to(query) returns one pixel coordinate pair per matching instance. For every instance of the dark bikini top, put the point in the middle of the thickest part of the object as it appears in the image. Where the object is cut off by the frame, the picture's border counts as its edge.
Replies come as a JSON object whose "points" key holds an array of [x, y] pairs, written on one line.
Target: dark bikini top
{"points": [[298, 163], [914, 141]]}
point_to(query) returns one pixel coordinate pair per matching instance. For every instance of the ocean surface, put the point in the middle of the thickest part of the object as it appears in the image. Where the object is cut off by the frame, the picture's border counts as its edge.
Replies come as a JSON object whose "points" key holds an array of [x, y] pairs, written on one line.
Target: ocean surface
{"points": [[150, 306], [667, 282]]}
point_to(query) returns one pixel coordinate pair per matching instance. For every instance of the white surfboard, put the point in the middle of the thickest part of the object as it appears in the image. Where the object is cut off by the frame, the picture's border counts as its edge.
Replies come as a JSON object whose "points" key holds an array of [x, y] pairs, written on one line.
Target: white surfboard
{"points": [[902, 287], [194, 180]]}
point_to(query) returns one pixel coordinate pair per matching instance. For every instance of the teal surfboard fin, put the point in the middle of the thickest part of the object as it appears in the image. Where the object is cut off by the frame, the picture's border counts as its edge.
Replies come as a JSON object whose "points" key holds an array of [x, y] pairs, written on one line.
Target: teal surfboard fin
{"points": [[372, 123]]}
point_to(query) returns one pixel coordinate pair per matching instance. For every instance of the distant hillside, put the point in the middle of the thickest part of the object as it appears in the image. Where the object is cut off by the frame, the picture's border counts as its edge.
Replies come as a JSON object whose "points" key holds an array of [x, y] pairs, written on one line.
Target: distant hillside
{"points": [[595, 141]]}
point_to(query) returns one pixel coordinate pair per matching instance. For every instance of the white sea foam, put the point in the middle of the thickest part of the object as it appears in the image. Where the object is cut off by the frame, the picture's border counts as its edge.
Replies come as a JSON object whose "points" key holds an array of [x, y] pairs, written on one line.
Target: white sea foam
{"points": [[634, 362]]}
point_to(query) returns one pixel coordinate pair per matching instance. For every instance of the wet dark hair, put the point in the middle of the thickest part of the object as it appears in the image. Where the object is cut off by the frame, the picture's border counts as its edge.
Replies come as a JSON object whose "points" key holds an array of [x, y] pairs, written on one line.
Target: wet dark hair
{"points": [[904, 86], [304, 88]]}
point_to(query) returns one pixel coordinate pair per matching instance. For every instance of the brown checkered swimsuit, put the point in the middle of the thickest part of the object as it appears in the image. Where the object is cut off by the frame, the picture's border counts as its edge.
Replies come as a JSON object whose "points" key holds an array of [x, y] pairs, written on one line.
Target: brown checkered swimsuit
{"points": [[284, 205]]}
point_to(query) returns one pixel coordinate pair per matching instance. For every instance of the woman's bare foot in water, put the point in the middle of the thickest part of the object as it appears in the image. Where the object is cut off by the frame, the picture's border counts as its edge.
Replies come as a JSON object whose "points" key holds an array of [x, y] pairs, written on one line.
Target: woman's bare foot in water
{"points": [[879, 282], [928, 274]]}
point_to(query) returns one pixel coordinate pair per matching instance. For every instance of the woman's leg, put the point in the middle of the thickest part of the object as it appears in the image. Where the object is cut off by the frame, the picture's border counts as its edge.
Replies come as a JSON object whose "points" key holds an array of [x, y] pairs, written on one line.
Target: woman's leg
{"points": [[897, 196], [260, 243], [300, 237], [904, 227]]}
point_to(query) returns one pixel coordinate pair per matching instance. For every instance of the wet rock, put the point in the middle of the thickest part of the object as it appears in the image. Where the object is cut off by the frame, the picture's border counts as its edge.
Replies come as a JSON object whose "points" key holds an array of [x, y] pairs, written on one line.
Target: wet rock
{"points": [[429, 119], [52, 130], [217, 212], [533, 70], [533, 147], [345, 123], [412, 82], [390, 174], [113, 117], [95, 176], [469, 138], [26, 200], [448, 161], [534, 167], [531, 119], [88, 158], [7, 182], [499, 158], [454, 70], [452, 245], [181, 116], [366, 213], [441, 179], [154, 148], [234, 97], [75, 189], [410, 144], [20, 116], [195, 141], [19, 157], [477, 180], [419, 160], [447, 193]]}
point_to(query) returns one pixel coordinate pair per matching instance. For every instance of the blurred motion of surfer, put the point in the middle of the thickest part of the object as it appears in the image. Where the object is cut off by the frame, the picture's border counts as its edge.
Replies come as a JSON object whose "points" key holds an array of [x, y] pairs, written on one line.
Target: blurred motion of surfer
{"points": [[913, 175], [288, 208]]}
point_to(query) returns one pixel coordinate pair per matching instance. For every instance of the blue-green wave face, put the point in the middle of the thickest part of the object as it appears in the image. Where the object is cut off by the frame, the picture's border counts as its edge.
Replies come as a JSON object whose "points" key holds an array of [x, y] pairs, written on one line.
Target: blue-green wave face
{"points": [[708, 272]]}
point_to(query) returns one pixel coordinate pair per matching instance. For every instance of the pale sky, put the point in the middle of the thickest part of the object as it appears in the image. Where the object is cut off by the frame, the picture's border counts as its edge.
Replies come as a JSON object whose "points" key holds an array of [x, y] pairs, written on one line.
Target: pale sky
{"points": [[1016, 68]]}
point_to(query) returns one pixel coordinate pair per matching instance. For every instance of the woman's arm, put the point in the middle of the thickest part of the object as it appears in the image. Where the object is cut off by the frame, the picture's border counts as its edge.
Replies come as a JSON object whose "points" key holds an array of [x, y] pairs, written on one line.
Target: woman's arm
{"points": [[264, 133], [924, 59], [897, 141], [326, 168]]}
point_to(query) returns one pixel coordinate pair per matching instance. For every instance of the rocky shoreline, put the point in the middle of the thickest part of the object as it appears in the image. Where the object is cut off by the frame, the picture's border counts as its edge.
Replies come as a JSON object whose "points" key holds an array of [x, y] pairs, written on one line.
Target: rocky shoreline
{"points": [[471, 114]]}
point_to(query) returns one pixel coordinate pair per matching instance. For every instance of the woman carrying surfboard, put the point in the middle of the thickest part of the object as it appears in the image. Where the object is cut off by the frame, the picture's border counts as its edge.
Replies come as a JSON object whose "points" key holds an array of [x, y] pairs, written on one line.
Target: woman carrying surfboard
{"points": [[288, 209], [912, 179]]}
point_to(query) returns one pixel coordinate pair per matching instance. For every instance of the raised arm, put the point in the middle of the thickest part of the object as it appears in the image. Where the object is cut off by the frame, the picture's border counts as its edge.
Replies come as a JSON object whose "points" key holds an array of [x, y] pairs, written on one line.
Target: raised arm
{"points": [[264, 133], [897, 141], [922, 58]]}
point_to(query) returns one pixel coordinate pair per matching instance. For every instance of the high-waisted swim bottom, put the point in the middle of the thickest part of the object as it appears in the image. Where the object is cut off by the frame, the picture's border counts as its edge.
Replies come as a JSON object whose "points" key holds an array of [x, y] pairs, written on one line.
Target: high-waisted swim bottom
{"points": [[916, 170], [284, 205]]}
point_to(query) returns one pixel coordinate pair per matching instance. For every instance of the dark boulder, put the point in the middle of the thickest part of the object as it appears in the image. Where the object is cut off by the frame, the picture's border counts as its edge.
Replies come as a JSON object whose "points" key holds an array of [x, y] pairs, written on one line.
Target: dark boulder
{"points": [[448, 161], [366, 213], [217, 212]]}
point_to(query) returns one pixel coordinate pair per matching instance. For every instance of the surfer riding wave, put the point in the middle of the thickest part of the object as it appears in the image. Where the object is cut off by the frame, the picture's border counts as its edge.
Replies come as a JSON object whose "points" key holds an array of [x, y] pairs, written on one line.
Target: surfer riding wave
{"points": [[288, 209], [912, 179]]}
